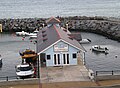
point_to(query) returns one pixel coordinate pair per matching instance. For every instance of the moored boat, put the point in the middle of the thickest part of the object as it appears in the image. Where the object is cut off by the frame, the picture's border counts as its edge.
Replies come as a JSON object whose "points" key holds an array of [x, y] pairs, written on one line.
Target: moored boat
{"points": [[29, 55], [98, 48], [84, 41], [25, 70], [23, 33], [33, 37]]}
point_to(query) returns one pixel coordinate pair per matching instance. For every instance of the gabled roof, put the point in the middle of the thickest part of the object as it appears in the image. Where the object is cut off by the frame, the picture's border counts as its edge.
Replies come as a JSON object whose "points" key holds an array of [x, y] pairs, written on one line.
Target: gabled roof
{"points": [[54, 34], [52, 20]]}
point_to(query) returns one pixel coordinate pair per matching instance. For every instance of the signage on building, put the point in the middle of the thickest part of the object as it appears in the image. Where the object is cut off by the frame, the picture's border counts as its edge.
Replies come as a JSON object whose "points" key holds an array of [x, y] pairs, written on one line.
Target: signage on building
{"points": [[61, 47]]}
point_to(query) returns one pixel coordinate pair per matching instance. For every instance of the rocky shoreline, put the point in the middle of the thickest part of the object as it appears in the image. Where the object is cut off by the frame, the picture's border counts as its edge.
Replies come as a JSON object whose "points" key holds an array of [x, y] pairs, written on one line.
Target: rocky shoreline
{"points": [[101, 25]]}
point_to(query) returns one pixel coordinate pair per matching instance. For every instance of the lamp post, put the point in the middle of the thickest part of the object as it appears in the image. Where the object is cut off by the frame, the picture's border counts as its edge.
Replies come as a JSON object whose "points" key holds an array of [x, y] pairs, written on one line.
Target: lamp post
{"points": [[39, 70], [67, 26], [43, 25]]}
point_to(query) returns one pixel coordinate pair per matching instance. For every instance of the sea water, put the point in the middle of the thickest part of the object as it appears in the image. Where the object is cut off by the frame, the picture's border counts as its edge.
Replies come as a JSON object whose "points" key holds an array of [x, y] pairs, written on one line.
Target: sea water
{"points": [[11, 44], [48, 8]]}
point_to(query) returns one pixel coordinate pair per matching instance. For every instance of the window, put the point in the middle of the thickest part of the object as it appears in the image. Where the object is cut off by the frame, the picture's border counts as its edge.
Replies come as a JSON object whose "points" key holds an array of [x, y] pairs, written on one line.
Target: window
{"points": [[64, 60], [55, 59], [48, 57], [67, 58], [74, 55]]}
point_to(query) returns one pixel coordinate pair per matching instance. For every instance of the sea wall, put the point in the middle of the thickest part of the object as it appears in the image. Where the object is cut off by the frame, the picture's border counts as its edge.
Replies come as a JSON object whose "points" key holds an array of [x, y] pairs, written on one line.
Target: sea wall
{"points": [[100, 25], [106, 27]]}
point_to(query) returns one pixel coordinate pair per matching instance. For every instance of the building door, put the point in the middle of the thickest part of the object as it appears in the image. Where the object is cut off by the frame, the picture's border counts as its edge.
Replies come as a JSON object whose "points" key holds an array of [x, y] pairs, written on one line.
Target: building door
{"points": [[56, 59], [66, 59]]}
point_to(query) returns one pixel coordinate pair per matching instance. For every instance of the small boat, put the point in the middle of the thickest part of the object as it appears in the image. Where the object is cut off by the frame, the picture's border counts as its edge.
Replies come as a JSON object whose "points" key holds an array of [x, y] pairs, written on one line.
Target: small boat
{"points": [[32, 34], [29, 55], [24, 70], [33, 37], [23, 33], [84, 41], [36, 31], [98, 48]]}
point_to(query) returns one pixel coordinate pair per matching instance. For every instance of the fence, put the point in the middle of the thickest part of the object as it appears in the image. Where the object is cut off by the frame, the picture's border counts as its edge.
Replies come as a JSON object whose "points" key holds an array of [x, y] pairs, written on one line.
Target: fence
{"points": [[113, 72], [12, 78], [107, 75]]}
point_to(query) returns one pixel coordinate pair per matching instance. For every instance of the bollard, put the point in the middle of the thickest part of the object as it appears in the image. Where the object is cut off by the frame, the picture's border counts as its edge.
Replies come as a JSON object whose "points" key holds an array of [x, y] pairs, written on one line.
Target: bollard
{"points": [[112, 73], [7, 78]]}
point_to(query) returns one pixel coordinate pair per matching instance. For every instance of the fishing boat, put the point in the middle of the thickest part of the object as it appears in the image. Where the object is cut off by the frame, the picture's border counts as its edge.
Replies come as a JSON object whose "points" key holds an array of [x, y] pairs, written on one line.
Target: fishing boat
{"points": [[24, 70], [29, 55], [98, 48]]}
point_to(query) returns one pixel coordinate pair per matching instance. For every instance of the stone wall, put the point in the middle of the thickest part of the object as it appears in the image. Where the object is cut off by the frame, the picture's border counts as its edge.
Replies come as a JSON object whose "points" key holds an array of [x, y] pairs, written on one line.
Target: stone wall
{"points": [[100, 25], [27, 24], [103, 26]]}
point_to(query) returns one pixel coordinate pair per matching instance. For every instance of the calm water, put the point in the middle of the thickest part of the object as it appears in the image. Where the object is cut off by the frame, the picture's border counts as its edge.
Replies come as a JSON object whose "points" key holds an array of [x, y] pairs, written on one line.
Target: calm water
{"points": [[9, 49], [48, 8], [100, 61], [10, 46]]}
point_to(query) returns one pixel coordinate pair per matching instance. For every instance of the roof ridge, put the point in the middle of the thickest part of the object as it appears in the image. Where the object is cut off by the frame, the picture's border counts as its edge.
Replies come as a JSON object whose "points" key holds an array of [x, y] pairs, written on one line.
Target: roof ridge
{"points": [[53, 18], [57, 31]]}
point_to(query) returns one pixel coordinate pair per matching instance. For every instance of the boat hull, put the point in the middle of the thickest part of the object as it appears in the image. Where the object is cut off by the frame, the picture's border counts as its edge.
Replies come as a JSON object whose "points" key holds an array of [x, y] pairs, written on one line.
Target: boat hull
{"points": [[25, 70], [99, 49]]}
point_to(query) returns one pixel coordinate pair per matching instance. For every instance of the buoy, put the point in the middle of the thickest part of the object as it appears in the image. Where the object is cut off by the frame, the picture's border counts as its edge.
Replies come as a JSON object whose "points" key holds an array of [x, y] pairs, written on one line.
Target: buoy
{"points": [[116, 56], [22, 38]]}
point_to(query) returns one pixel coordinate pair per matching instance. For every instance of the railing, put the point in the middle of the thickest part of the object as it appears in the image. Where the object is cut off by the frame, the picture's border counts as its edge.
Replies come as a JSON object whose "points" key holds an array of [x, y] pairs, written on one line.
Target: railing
{"points": [[11, 78], [112, 72]]}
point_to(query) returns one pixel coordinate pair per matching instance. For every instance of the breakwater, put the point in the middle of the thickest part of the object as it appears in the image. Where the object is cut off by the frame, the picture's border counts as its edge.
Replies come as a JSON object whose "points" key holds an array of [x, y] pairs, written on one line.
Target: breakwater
{"points": [[101, 25]]}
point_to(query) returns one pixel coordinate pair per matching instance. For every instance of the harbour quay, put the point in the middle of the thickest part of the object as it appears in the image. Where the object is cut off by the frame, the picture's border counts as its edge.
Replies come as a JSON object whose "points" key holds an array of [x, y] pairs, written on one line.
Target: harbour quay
{"points": [[51, 48]]}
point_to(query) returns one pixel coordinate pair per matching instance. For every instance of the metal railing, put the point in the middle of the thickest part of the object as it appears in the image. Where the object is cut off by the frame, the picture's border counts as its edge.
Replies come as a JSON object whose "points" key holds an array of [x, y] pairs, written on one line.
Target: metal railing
{"points": [[112, 72], [12, 78]]}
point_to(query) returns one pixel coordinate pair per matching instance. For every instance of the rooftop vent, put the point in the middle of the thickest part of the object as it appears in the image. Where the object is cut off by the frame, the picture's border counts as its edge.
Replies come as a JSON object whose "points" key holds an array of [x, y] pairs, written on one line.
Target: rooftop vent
{"points": [[44, 39], [43, 31], [65, 30], [70, 37], [44, 35]]}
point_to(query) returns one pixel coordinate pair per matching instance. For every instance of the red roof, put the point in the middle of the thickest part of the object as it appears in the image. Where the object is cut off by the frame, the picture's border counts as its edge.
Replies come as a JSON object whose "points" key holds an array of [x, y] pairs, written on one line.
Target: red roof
{"points": [[53, 20]]}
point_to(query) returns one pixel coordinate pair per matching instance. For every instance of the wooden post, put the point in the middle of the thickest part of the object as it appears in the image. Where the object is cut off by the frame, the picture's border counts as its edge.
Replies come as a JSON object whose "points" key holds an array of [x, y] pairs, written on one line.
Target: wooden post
{"points": [[0, 27]]}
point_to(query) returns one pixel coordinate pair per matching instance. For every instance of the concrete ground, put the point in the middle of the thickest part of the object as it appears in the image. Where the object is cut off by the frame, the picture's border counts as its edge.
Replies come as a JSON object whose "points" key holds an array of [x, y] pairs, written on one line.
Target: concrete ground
{"points": [[64, 74], [76, 84], [63, 77]]}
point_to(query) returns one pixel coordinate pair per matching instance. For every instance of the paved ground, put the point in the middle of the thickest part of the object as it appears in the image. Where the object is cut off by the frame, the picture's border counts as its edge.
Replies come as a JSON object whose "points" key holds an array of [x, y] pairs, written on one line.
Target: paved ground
{"points": [[66, 77], [64, 74], [77, 84]]}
